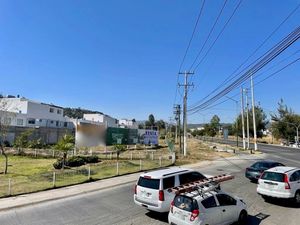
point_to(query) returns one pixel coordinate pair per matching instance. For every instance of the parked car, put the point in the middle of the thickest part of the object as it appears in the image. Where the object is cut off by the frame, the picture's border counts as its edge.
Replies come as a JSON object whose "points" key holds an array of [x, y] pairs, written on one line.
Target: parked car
{"points": [[254, 172], [280, 182], [213, 208], [152, 188]]}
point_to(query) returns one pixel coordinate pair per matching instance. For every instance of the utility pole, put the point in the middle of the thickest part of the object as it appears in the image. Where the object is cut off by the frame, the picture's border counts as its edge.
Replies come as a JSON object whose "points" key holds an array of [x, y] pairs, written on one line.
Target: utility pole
{"points": [[186, 85], [177, 118], [243, 120], [253, 114], [247, 115]]}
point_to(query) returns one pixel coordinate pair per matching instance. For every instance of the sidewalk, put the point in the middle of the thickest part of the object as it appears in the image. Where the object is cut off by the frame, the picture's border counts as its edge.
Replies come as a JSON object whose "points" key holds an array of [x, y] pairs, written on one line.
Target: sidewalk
{"points": [[55, 194]]}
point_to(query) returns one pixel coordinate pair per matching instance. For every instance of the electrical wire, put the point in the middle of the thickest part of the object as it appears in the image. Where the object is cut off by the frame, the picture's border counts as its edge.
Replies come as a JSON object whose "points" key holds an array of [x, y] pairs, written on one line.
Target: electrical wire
{"points": [[264, 60], [209, 34], [233, 74], [218, 36], [192, 36]]}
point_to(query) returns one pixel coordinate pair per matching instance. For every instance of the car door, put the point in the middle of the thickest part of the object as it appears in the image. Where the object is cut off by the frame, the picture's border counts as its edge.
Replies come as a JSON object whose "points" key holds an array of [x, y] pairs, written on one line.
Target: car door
{"points": [[168, 182], [212, 213], [227, 204], [295, 181]]}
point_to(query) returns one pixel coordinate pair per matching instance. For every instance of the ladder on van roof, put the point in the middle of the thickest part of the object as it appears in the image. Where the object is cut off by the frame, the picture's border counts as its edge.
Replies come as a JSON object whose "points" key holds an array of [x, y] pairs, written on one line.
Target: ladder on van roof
{"points": [[204, 185]]}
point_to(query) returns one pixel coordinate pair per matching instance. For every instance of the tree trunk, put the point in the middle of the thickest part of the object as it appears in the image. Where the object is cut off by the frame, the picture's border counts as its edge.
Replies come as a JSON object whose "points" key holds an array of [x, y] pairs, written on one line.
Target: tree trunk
{"points": [[6, 158], [64, 159]]}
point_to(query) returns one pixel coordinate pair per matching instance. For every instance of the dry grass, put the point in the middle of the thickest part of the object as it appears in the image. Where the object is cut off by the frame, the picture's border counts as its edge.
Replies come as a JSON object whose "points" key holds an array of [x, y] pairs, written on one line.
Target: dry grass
{"points": [[198, 151]]}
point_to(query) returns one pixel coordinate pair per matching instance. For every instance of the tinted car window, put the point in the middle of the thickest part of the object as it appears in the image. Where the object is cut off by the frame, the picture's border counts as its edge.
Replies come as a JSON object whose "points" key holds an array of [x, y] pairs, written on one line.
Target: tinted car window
{"points": [[190, 177], [185, 203], [295, 176], [225, 200], [168, 182], [209, 202], [279, 177], [149, 183]]}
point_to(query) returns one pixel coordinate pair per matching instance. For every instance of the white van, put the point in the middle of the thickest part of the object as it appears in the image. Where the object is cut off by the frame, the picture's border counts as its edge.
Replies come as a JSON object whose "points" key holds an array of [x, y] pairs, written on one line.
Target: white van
{"points": [[152, 189]]}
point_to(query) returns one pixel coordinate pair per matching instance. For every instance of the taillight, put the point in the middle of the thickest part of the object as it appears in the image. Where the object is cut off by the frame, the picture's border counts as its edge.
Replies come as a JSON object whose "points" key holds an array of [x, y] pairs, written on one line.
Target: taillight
{"points": [[286, 181], [172, 205], [194, 215], [161, 195], [135, 187]]}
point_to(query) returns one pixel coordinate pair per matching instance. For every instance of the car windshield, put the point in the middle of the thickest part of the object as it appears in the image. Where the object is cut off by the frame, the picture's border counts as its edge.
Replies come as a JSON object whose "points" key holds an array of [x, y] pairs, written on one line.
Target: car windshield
{"points": [[185, 203], [149, 183], [279, 177]]}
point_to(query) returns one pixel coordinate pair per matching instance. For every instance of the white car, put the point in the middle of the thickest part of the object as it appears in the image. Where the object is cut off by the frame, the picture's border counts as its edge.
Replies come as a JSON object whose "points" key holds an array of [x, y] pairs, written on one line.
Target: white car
{"points": [[280, 182], [152, 189], [213, 208]]}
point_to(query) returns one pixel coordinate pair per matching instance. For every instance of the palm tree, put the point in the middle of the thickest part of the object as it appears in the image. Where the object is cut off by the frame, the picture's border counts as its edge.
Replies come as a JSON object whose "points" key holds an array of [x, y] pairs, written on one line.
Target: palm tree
{"points": [[65, 144]]}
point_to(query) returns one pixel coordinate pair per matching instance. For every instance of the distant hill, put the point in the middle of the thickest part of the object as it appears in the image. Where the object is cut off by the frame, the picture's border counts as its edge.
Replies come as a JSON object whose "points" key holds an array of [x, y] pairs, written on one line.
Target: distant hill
{"points": [[77, 112]]}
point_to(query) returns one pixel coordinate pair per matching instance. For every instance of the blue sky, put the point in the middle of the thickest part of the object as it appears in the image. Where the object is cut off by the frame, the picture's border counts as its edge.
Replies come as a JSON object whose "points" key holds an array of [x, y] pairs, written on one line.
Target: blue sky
{"points": [[122, 57]]}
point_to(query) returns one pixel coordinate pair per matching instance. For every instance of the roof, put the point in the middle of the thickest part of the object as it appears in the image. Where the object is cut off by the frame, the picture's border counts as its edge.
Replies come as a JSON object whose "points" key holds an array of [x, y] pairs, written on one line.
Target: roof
{"points": [[281, 169], [165, 172]]}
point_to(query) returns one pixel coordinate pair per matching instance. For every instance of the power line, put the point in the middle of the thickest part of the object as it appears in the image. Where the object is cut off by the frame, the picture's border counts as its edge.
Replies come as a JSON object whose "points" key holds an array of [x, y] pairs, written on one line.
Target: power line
{"points": [[209, 34], [256, 84], [218, 36], [192, 36], [233, 74], [264, 60]]}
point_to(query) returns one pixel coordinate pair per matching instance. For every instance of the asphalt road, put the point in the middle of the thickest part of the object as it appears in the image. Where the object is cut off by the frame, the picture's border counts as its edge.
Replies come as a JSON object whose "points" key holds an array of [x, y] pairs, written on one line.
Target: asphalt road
{"points": [[115, 206]]}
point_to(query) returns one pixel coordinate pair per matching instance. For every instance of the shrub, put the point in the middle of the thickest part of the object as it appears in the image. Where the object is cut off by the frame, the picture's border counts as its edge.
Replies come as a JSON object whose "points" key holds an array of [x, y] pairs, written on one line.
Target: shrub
{"points": [[58, 164], [91, 159], [75, 161]]}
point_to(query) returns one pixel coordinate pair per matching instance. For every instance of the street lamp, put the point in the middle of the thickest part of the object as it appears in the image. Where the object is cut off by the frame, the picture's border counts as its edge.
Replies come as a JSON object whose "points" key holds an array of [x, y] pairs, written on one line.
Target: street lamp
{"points": [[237, 112]]}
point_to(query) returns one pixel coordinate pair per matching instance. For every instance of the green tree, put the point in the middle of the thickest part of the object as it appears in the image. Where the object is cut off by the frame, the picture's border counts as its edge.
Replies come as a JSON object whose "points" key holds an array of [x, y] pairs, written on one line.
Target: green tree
{"points": [[260, 121], [118, 149], [284, 122], [160, 124], [22, 141], [215, 123], [65, 144]]}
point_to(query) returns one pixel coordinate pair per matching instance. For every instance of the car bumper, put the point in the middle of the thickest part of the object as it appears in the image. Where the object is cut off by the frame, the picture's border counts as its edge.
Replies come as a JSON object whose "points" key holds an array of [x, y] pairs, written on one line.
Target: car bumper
{"points": [[150, 206], [176, 221], [274, 193]]}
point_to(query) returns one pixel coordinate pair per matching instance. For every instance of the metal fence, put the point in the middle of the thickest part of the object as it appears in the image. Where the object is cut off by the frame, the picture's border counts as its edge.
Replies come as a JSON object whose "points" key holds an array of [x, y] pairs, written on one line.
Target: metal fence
{"points": [[104, 169]]}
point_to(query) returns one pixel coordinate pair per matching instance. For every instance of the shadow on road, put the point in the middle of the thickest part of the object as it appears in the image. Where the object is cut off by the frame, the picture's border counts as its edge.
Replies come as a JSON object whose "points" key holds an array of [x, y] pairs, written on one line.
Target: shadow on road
{"points": [[163, 217], [286, 203]]}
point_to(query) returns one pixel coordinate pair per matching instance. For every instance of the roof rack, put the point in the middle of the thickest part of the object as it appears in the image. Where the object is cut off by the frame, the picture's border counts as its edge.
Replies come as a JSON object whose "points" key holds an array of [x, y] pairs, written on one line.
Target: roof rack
{"points": [[202, 186]]}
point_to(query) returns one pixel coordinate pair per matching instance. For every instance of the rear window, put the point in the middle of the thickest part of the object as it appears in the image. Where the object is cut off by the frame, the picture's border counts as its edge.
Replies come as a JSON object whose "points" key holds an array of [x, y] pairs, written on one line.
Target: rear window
{"points": [[149, 183], [185, 203], [190, 177], [279, 177]]}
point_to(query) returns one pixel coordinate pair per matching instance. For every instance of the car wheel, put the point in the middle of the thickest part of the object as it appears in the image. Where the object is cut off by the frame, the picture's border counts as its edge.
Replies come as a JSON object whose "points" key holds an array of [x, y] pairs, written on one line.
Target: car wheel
{"points": [[243, 217], [297, 198]]}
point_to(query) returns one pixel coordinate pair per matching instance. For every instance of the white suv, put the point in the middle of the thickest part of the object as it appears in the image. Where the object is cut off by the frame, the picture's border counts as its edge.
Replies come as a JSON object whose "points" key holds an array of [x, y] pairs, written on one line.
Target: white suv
{"points": [[280, 182], [152, 189], [213, 208]]}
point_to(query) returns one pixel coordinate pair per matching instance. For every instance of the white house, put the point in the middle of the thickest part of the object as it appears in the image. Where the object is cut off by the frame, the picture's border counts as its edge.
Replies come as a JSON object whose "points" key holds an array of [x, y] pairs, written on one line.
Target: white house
{"points": [[23, 112], [125, 123], [101, 118]]}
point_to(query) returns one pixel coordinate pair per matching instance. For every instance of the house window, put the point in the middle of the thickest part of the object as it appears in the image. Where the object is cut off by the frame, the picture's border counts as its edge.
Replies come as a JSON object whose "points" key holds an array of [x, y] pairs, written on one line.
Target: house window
{"points": [[31, 121], [51, 110], [20, 122], [57, 123], [65, 124], [51, 122], [7, 121], [58, 111]]}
